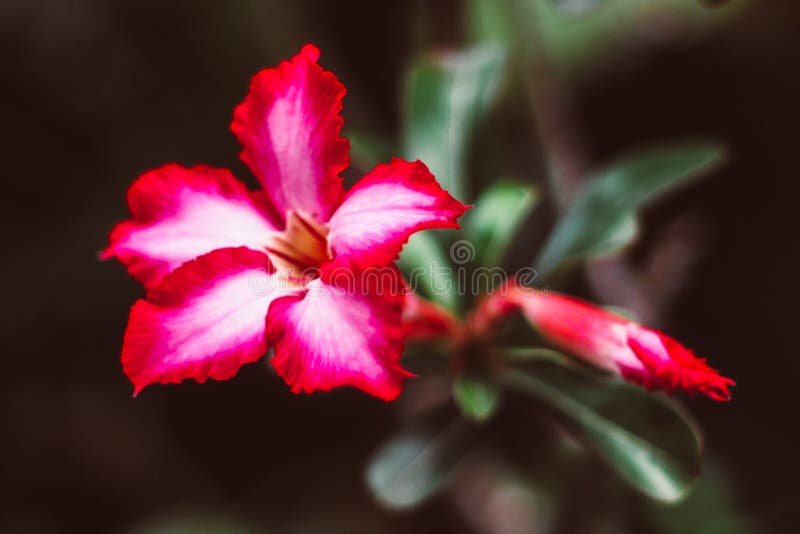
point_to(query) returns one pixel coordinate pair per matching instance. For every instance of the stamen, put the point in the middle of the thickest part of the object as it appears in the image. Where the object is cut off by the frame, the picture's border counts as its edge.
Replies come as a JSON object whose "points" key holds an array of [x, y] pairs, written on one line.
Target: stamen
{"points": [[301, 247], [319, 232]]}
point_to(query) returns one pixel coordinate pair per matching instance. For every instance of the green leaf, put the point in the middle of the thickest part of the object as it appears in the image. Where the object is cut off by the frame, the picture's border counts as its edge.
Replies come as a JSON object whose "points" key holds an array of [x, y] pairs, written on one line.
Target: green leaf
{"points": [[601, 218], [367, 151], [428, 270], [582, 37], [447, 93], [577, 7], [476, 397], [648, 440], [523, 354], [493, 223], [416, 463], [490, 21], [709, 509], [625, 313], [194, 522]]}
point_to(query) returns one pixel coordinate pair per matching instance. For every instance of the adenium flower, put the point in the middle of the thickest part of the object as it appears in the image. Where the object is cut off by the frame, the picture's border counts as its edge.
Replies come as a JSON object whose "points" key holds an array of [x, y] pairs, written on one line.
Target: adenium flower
{"points": [[231, 272], [637, 353]]}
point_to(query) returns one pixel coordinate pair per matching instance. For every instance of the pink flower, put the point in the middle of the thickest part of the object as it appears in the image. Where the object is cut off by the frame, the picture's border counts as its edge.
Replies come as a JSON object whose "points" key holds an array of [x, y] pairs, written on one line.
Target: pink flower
{"points": [[637, 353], [231, 272]]}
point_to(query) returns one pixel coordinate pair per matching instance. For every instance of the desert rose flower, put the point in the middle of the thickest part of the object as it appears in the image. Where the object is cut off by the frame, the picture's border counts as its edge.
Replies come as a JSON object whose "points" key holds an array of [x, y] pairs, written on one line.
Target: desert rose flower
{"points": [[231, 272], [637, 353]]}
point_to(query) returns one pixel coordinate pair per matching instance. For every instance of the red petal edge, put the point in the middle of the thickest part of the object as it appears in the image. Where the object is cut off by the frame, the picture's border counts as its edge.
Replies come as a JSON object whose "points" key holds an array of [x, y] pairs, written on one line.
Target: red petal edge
{"points": [[683, 371]]}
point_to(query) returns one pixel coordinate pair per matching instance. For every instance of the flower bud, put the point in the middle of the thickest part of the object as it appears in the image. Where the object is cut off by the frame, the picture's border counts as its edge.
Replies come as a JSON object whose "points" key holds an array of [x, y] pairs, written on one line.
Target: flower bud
{"points": [[637, 353]]}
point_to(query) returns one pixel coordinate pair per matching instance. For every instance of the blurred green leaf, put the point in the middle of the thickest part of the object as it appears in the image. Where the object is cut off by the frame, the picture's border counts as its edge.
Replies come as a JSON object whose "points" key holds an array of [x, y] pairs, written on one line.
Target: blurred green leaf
{"points": [[577, 7], [446, 94], [581, 37], [366, 151], [490, 21], [417, 462], [648, 440], [709, 509], [476, 397], [427, 269], [493, 223], [601, 218], [625, 313], [523, 354], [194, 522]]}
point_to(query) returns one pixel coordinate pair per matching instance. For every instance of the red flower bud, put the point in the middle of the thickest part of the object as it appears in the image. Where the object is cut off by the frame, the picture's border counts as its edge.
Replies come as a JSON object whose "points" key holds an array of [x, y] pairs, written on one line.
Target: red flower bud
{"points": [[637, 353]]}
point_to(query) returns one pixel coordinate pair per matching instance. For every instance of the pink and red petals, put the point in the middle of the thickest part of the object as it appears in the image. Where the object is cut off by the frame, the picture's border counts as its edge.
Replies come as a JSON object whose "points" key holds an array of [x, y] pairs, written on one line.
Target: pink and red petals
{"points": [[289, 126], [179, 214], [215, 300], [385, 207], [205, 320], [671, 366], [345, 330]]}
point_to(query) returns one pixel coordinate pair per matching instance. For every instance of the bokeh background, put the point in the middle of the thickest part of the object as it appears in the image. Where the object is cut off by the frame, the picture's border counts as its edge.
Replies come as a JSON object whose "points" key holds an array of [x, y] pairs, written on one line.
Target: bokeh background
{"points": [[96, 92]]}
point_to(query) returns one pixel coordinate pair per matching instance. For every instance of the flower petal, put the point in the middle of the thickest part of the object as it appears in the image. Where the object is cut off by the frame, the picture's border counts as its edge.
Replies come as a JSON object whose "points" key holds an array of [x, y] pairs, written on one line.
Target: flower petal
{"points": [[289, 127], [385, 207], [672, 366], [206, 319], [345, 330], [179, 214], [594, 334]]}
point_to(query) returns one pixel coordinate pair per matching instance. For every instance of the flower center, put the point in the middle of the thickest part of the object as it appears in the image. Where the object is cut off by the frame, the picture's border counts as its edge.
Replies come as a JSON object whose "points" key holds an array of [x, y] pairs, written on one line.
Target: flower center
{"points": [[301, 248]]}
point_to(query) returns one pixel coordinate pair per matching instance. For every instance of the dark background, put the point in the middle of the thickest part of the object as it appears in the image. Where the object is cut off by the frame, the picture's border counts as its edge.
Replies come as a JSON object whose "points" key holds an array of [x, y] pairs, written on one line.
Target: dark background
{"points": [[96, 92]]}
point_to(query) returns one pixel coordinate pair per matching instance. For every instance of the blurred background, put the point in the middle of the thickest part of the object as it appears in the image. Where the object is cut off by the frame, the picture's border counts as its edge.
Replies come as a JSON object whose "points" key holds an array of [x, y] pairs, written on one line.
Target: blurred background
{"points": [[96, 92]]}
